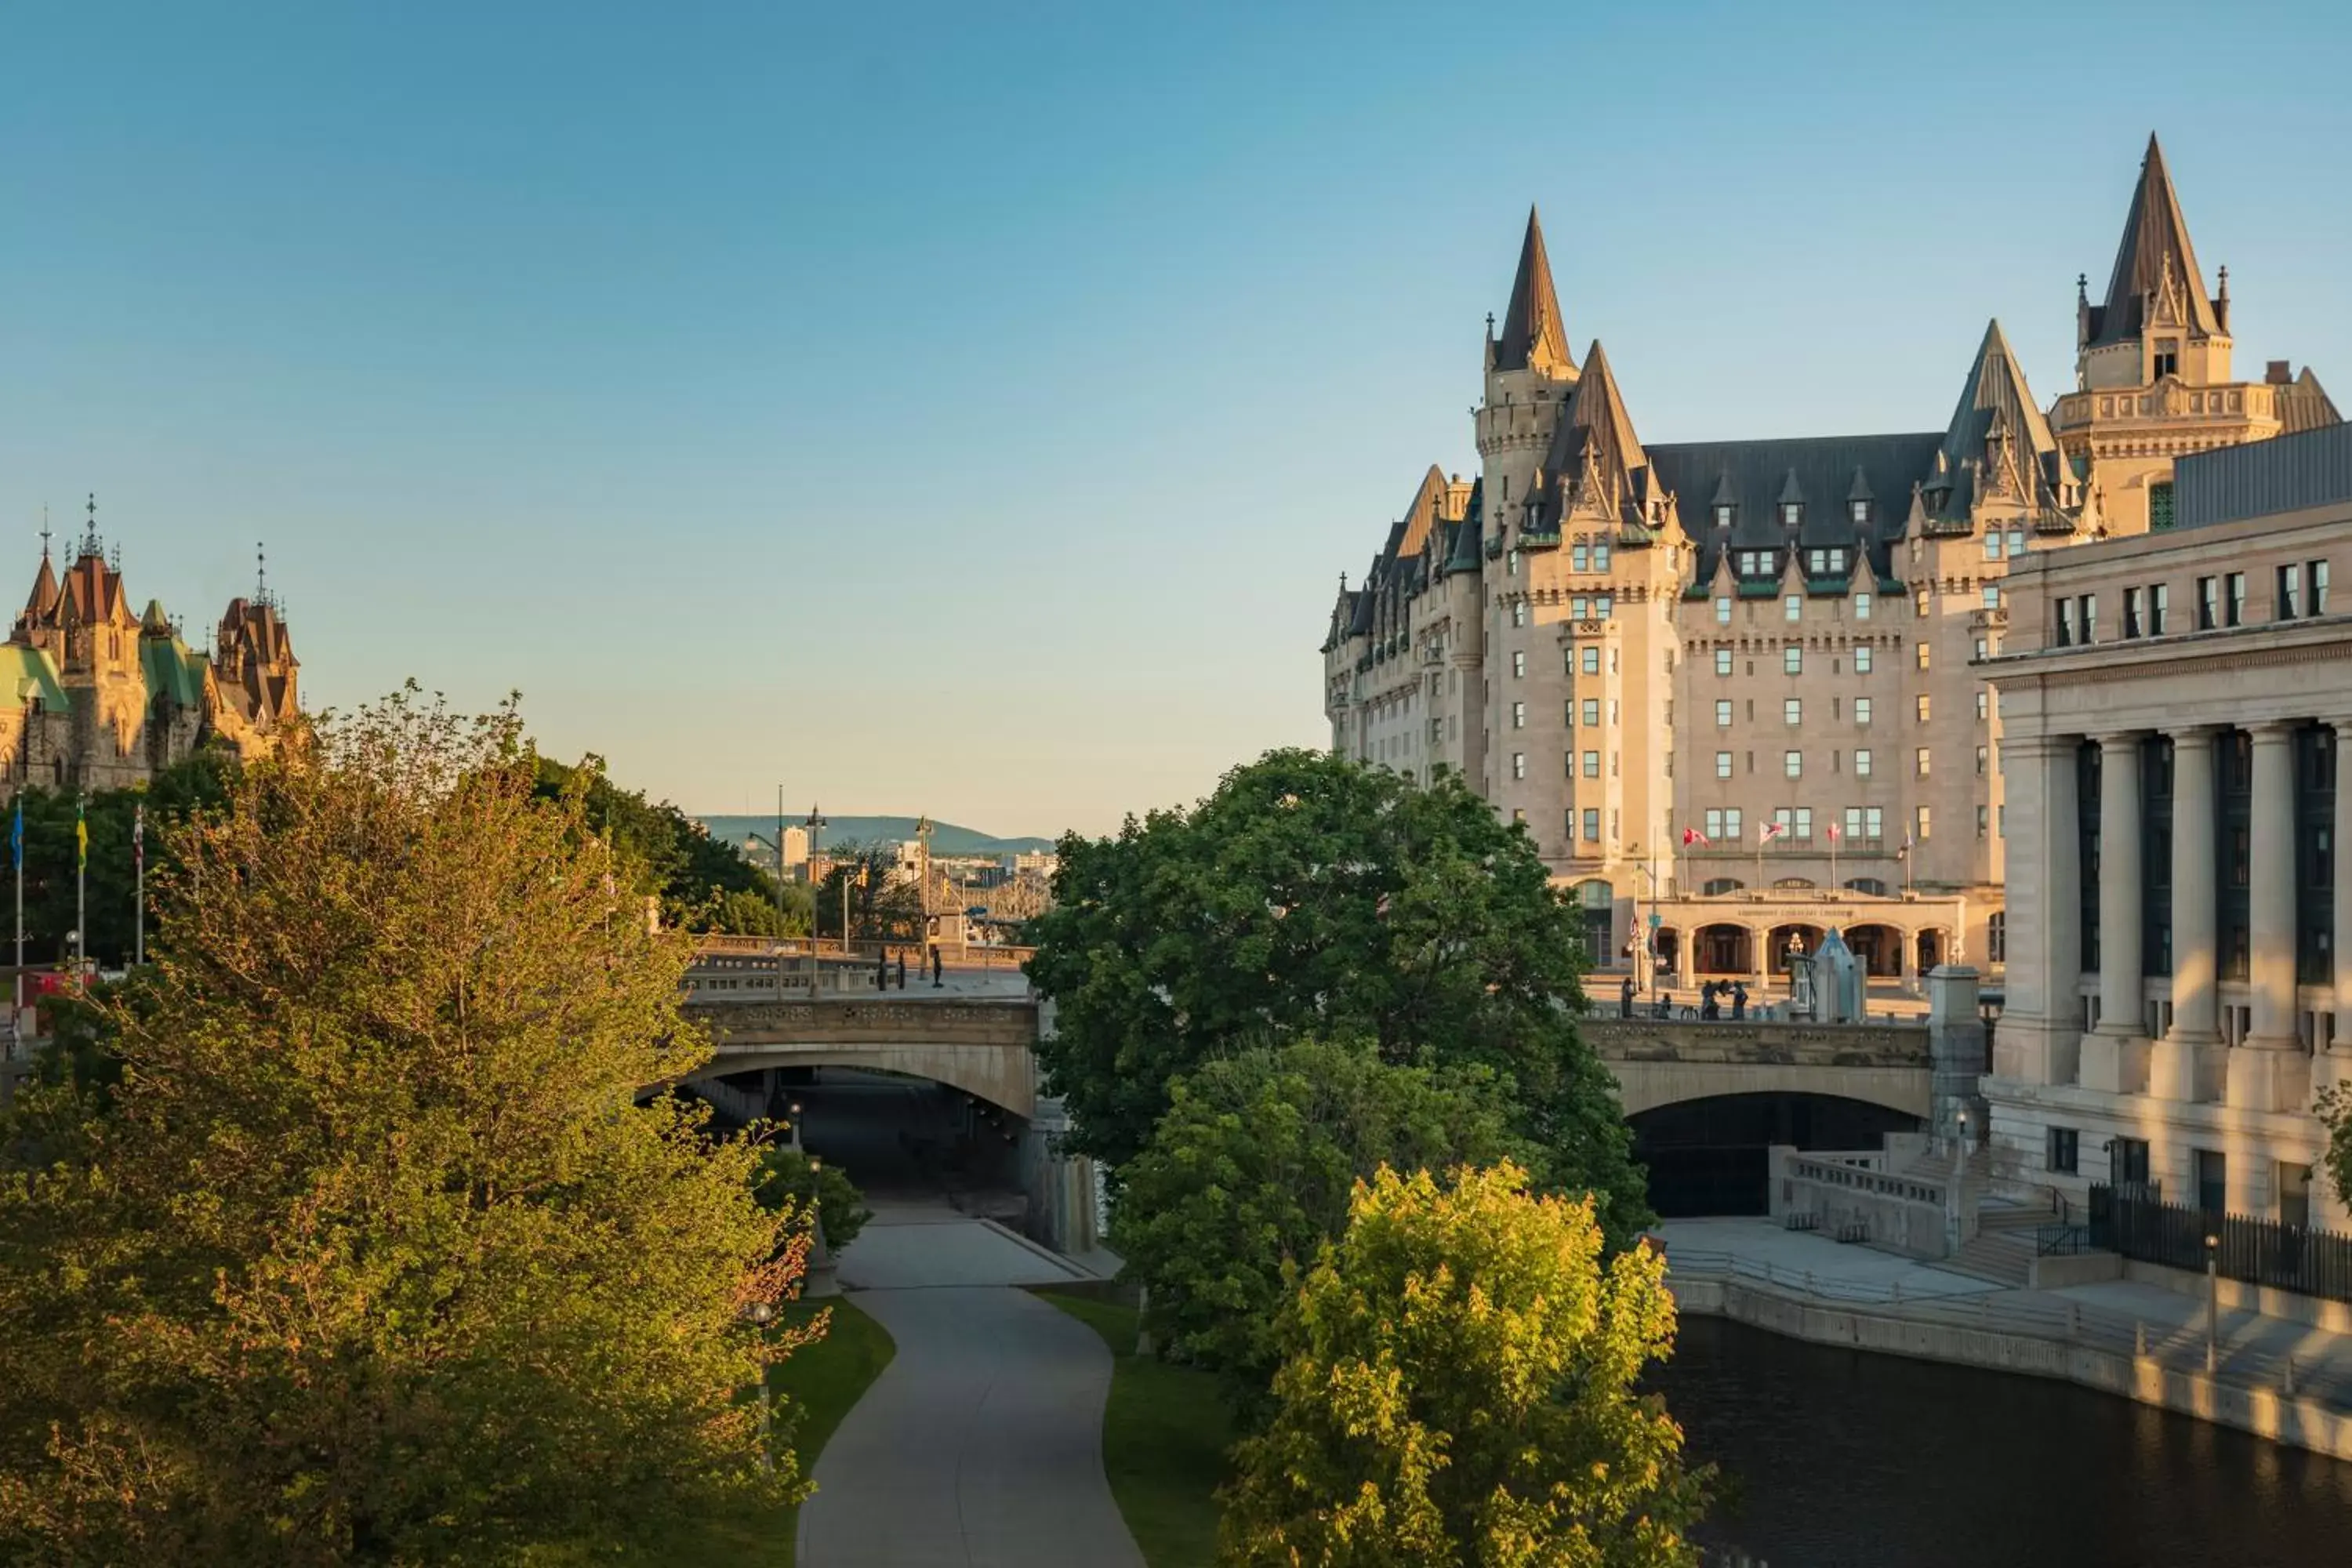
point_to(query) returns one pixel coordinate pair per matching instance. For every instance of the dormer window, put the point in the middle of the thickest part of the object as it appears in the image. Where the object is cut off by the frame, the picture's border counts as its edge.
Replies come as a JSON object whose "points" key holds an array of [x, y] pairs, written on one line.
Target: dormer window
{"points": [[1861, 512], [2168, 357], [1600, 555], [1723, 514], [1791, 513]]}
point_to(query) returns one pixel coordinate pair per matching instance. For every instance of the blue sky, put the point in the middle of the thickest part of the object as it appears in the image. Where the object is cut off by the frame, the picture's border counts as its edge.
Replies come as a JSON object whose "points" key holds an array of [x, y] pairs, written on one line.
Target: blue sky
{"points": [[970, 409]]}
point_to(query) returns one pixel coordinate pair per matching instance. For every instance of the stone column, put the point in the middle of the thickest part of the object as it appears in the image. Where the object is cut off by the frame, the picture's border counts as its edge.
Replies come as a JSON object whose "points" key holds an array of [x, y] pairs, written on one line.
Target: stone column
{"points": [[2196, 945], [2264, 1071], [2039, 1037], [2340, 1049], [2115, 1056]]}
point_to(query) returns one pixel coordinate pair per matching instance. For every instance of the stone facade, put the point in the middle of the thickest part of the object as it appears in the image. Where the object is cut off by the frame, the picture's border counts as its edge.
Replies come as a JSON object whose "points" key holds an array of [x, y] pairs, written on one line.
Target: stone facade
{"points": [[2181, 872], [1648, 652], [104, 699]]}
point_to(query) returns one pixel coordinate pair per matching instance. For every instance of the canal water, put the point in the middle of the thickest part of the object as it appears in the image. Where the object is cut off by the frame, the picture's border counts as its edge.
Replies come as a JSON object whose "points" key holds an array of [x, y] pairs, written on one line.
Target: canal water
{"points": [[1836, 1458]]}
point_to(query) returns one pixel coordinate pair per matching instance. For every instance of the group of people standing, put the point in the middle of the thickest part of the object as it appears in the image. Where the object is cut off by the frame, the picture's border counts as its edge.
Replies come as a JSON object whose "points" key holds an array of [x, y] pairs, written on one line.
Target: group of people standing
{"points": [[1711, 997]]}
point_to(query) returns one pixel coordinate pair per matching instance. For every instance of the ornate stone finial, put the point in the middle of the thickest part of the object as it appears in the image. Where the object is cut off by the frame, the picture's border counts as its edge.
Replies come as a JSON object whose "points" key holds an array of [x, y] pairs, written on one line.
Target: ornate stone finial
{"points": [[2224, 280], [1490, 324], [261, 574], [2082, 288], [45, 533], [89, 545]]}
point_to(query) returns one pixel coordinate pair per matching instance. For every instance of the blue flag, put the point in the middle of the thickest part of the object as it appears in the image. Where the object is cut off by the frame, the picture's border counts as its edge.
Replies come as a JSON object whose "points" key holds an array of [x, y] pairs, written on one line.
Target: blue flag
{"points": [[17, 835]]}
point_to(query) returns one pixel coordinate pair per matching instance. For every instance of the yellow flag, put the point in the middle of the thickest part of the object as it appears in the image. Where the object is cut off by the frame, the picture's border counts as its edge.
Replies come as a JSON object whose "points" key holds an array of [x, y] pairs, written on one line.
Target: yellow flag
{"points": [[81, 840]]}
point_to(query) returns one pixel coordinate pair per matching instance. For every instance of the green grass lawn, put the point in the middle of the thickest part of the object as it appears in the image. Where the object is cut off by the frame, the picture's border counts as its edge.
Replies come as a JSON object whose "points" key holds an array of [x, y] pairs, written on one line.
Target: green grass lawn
{"points": [[820, 1381], [1165, 1434]]}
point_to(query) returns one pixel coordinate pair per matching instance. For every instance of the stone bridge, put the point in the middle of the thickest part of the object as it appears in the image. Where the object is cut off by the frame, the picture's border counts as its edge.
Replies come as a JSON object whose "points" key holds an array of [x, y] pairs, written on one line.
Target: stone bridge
{"points": [[1661, 1061], [983, 1046]]}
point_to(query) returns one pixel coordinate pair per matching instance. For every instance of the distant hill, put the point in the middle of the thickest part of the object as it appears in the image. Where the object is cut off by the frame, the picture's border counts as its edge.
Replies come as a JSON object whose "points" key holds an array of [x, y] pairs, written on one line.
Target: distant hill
{"points": [[946, 838]]}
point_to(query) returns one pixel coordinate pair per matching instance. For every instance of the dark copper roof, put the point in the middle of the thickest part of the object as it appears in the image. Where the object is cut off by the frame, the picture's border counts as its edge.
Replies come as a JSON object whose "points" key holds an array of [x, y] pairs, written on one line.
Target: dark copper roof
{"points": [[1532, 328], [2155, 256]]}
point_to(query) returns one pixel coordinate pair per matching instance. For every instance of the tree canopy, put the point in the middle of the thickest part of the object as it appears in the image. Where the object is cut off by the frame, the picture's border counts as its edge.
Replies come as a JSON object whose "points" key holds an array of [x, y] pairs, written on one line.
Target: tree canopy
{"points": [[1252, 1170], [370, 1256], [1312, 896], [703, 883], [1458, 1392]]}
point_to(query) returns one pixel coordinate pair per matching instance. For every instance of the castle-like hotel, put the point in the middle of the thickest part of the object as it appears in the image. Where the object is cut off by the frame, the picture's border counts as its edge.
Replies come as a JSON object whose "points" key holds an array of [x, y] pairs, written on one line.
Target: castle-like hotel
{"points": [[1727, 685], [103, 698]]}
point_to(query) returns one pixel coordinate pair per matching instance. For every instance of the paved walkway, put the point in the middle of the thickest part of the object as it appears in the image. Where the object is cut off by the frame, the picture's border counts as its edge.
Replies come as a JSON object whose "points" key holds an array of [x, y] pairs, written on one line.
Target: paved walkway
{"points": [[980, 1445], [2175, 1320]]}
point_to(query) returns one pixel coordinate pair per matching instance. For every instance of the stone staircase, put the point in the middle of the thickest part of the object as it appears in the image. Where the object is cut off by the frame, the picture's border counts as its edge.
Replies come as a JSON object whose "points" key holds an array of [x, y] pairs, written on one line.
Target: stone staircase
{"points": [[2002, 1251]]}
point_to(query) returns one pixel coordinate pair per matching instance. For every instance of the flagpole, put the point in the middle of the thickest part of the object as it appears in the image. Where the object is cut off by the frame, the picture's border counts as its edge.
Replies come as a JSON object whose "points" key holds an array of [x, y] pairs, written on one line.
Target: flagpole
{"points": [[16, 991], [139, 873], [81, 888]]}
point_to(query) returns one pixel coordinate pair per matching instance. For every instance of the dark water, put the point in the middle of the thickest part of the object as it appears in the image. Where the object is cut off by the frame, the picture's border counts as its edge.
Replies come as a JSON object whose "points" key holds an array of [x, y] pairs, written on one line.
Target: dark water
{"points": [[1840, 1459]]}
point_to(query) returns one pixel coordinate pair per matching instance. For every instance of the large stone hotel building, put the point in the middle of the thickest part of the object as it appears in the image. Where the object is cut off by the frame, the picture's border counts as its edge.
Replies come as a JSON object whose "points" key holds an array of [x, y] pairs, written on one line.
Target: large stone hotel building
{"points": [[1732, 688]]}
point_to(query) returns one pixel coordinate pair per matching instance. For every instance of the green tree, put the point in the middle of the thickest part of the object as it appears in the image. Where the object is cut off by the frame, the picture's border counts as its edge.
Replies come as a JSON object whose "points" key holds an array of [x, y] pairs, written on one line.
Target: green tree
{"points": [[2334, 1108], [661, 851], [748, 914], [882, 906], [788, 1182], [370, 1256], [1458, 1392], [1252, 1169], [1312, 896]]}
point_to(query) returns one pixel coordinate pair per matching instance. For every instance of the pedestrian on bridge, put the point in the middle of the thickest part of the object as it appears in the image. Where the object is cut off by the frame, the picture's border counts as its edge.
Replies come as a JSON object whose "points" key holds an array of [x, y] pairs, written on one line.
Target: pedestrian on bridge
{"points": [[939, 967], [902, 969]]}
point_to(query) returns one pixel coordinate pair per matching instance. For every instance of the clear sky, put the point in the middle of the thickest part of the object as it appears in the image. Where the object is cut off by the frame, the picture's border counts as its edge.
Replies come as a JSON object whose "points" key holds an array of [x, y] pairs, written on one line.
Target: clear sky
{"points": [[968, 409]]}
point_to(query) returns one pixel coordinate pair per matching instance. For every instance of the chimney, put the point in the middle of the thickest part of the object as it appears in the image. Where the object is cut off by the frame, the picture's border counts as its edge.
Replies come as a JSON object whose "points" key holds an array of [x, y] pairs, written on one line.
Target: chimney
{"points": [[2279, 372]]}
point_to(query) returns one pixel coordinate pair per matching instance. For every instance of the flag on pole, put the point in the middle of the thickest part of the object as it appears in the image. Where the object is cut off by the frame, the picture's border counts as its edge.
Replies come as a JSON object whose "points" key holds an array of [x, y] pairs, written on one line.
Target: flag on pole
{"points": [[1768, 831], [139, 834], [81, 835], [17, 836], [1834, 833], [1692, 835]]}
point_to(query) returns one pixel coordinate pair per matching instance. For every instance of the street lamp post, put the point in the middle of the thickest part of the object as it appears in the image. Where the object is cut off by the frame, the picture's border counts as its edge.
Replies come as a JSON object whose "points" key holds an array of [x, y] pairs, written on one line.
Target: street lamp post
{"points": [[815, 826], [796, 1126], [759, 1314], [2212, 1303]]}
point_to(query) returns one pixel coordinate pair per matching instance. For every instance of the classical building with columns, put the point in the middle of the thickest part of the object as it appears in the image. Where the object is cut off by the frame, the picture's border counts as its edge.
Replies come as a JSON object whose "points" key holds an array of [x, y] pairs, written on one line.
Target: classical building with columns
{"points": [[2180, 856], [1654, 654]]}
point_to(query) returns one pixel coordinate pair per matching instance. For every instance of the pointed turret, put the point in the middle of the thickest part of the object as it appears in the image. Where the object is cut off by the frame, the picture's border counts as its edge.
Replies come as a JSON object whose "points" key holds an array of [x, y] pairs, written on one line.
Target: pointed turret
{"points": [[2156, 267], [1595, 457], [1533, 334], [44, 597], [1995, 395]]}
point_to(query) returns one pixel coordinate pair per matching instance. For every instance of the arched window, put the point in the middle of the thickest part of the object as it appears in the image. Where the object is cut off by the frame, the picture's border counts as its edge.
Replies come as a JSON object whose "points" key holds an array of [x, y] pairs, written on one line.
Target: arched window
{"points": [[1719, 886], [1794, 882], [1870, 885]]}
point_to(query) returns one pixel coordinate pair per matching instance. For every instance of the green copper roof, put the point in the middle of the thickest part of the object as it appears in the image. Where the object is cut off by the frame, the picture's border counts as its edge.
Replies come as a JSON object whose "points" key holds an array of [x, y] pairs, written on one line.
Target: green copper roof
{"points": [[172, 671], [31, 673]]}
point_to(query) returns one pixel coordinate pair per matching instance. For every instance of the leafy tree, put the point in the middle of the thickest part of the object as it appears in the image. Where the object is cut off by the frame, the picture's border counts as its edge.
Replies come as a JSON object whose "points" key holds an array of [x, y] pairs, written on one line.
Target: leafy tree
{"points": [[1251, 1171], [2334, 1108], [748, 914], [1458, 1390], [788, 1183], [882, 906], [370, 1257], [1312, 896], [674, 857]]}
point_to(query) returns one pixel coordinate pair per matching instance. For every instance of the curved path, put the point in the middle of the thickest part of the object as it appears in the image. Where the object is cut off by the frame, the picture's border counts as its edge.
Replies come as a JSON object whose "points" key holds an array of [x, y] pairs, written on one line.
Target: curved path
{"points": [[980, 1445]]}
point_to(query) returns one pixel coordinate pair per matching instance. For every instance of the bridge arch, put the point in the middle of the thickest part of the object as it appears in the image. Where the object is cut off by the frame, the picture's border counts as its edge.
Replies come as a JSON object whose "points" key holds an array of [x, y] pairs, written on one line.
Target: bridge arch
{"points": [[1711, 1155], [1005, 1085], [984, 1048]]}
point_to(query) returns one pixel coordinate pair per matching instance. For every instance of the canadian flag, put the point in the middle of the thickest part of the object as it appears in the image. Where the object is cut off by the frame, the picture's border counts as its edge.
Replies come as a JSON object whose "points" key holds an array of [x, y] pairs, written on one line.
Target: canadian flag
{"points": [[1693, 835], [1834, 833], [1768, 831]]}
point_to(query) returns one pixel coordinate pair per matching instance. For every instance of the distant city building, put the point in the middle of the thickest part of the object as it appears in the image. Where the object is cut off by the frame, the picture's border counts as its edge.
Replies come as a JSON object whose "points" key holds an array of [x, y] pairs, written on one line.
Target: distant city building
{"points": [[1727, 685], [104, 699], [2174, 707]]}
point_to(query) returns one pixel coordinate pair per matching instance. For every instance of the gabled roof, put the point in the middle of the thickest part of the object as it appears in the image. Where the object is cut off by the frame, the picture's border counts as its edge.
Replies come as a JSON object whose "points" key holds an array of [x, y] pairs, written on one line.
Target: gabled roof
{"points": [[1421, 516], [2155, 254], [1996, 415], [1533, 334], [29, 673], [1752, 475], [1595, 463], [2303, 405]]}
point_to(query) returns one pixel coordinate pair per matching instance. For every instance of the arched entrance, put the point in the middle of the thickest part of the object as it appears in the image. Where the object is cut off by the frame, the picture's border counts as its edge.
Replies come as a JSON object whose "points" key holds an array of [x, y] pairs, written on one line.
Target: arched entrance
{"points": [[1776, 951], [1879, 947], [1710, 1156], [1598, 901], [1667, 951], [1725, 950], [1934, 947]]}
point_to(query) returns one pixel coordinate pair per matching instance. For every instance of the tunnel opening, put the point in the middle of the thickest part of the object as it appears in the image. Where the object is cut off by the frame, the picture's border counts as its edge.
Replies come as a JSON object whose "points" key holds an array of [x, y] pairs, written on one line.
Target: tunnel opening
{"points": [[1711, 1156]]}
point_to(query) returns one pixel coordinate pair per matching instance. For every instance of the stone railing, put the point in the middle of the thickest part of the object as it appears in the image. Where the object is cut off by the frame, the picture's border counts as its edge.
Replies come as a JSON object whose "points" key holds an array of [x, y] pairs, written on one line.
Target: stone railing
{"points": [[1790, 1044], [1841, 1196]]}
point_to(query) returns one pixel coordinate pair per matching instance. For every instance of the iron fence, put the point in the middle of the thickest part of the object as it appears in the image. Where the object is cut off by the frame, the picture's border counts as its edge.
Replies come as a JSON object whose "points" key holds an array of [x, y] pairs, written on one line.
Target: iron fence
{"points": [[2255, 1251]]}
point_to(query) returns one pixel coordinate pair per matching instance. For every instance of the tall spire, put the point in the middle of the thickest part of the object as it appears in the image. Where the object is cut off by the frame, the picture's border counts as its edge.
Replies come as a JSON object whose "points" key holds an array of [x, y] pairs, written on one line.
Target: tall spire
{"points": [[1533, 336], [2155, 264]]}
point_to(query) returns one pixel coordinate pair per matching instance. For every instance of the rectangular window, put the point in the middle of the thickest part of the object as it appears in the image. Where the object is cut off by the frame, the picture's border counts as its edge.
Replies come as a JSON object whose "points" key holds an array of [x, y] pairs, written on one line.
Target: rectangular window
{"points": [[1591, 661], [1861, 710], [1601, 555], [1602, 606], [1723, 661], [1731, 822], [1981, 756], [2209, 602], [1861, 661], [1992, 596], [1792, 514], [1874, 823], [1722, 764], [1591, 711], [1853, 822], [1593, 765], [1862, 762], [1793, 660], [1793, 711], [1860, 511], [1518, 612], [1579, 608], [1926, 657], [1792, 607], [1519, 764], [1993, 544], [1518, 665], [2318, 587], [1511, 563], [2131, 611], [1518, 715], [1576, 562], [1920, 704], [2062, 625], [2234, 599], [2062, 1142], [1723, 515], [2290, 593], [1723, 713], [2159, 605], [1792, 764], [2166, 361], [1592, 824], [1923, 763], [1862, 606], [1714, 824], [2016, 542], [1984, 706], [1984, 819], [1920, 822], [1804, 833], [2088, 608]]}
